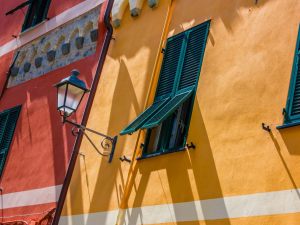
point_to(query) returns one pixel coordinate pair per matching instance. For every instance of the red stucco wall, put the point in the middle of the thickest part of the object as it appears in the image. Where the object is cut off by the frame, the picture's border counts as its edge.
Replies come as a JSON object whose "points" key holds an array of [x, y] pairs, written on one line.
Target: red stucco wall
{"points": [[42, 145]]}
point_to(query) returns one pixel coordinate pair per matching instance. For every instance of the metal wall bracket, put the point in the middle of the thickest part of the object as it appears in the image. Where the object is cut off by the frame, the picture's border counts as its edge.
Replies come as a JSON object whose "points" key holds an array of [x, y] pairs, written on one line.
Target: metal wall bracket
{"points": [[284, 111], [124, 158], [107, 143], [266, 127], [191, 145]]}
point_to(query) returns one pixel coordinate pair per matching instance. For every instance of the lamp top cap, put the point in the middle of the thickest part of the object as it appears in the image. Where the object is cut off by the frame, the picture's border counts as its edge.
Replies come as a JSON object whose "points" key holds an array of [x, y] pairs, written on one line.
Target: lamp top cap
{"points": [[75, 72], [74, 80]]}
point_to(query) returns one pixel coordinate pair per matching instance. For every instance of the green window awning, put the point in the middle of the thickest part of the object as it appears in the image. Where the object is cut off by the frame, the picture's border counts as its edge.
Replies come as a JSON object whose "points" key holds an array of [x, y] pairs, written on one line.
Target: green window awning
{"points": [[157, 113], [143, 117], [167, 110]]}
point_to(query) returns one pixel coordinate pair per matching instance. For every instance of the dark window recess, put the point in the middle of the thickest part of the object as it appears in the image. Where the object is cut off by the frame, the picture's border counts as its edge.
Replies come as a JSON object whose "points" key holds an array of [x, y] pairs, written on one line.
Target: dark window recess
{"points": [[170, 134], [167, 119], [8, 121], [37, 12], [292, 110]]}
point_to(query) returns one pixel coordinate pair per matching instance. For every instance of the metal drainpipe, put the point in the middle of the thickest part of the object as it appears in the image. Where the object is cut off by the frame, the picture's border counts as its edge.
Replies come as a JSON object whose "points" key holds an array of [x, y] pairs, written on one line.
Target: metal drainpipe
{"points": [[86, 113]]}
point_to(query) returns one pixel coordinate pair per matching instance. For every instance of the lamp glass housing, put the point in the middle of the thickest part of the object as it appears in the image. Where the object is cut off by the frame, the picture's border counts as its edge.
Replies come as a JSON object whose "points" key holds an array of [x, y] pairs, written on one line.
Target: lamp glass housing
{"points": [[70, 92]]}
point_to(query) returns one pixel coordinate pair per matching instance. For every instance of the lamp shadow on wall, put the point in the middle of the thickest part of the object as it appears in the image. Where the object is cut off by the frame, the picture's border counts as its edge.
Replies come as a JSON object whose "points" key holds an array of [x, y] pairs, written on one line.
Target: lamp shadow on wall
{"points": [[179, 177], [124, 98], [290, 137], [290, 140]]}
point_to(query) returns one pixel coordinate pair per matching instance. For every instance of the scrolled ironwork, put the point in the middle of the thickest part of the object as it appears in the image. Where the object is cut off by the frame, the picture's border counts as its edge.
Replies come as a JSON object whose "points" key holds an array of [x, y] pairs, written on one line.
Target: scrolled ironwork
{"points": [[106, 143]]}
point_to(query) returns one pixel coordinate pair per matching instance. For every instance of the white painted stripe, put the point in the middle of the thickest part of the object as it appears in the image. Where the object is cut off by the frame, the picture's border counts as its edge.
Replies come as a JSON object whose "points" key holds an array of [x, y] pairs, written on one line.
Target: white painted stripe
{"points": [[103, 218], [30, 197], [47, 26], [268, 203]]}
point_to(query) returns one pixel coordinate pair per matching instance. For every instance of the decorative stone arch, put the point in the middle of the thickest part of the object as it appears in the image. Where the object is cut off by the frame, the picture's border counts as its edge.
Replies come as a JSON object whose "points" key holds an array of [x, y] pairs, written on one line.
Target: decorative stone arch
{"points": [[75, 33], [88, 27], [21, 58], [60, 41], [46, 47]]}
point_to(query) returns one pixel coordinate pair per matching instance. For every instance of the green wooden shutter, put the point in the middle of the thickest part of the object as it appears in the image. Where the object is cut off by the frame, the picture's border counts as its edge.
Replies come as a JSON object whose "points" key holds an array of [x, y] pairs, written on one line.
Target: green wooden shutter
{"points": [[195, 48], [170, 67], [295, 107], [168, 109], [8, 121], [3, 121], [293, 103]]}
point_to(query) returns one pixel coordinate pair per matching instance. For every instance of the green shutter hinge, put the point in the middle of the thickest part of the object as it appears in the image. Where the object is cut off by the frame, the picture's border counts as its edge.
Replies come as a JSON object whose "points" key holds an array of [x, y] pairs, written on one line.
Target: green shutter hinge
{"points": [[163, 50], [284, 111]]}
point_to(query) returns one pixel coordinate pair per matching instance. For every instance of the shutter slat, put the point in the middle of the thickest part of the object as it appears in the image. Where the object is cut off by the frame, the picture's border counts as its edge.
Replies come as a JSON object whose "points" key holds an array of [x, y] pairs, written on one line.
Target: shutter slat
{"points": [[296, 97], [3, 121], [169, 67], [193, 56], [7, 132], [168, 109]]}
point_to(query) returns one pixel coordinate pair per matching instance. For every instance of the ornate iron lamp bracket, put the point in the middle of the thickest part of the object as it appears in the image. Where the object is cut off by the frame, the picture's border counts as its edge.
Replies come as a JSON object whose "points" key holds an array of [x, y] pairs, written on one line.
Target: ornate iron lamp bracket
{"points": [[106, 143]]}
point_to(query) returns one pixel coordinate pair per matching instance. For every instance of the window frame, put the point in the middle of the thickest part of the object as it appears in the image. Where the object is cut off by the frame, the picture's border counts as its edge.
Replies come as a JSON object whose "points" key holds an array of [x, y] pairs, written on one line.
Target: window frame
{"points": [[184, 47], [162, 151], [26, 24]]}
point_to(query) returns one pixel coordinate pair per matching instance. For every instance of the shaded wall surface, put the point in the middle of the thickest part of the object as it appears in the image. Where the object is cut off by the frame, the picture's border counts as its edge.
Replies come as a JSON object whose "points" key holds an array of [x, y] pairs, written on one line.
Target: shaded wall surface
{"points": [[41, 147], [238, 173]]}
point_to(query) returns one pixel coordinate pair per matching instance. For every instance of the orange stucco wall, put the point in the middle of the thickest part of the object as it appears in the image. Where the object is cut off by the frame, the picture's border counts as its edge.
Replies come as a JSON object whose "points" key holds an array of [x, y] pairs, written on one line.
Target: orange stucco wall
{"points": [[244, 81]]}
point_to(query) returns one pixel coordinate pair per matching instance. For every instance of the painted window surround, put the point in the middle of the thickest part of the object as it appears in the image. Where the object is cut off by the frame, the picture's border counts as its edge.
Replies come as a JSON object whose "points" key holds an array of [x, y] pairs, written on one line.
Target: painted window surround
{"points": [[42, 28]]}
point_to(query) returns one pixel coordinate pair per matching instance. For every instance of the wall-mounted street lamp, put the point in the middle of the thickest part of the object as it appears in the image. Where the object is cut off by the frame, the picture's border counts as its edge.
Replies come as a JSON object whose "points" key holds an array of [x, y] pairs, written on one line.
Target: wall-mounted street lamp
{"points": [[70, 92]]}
